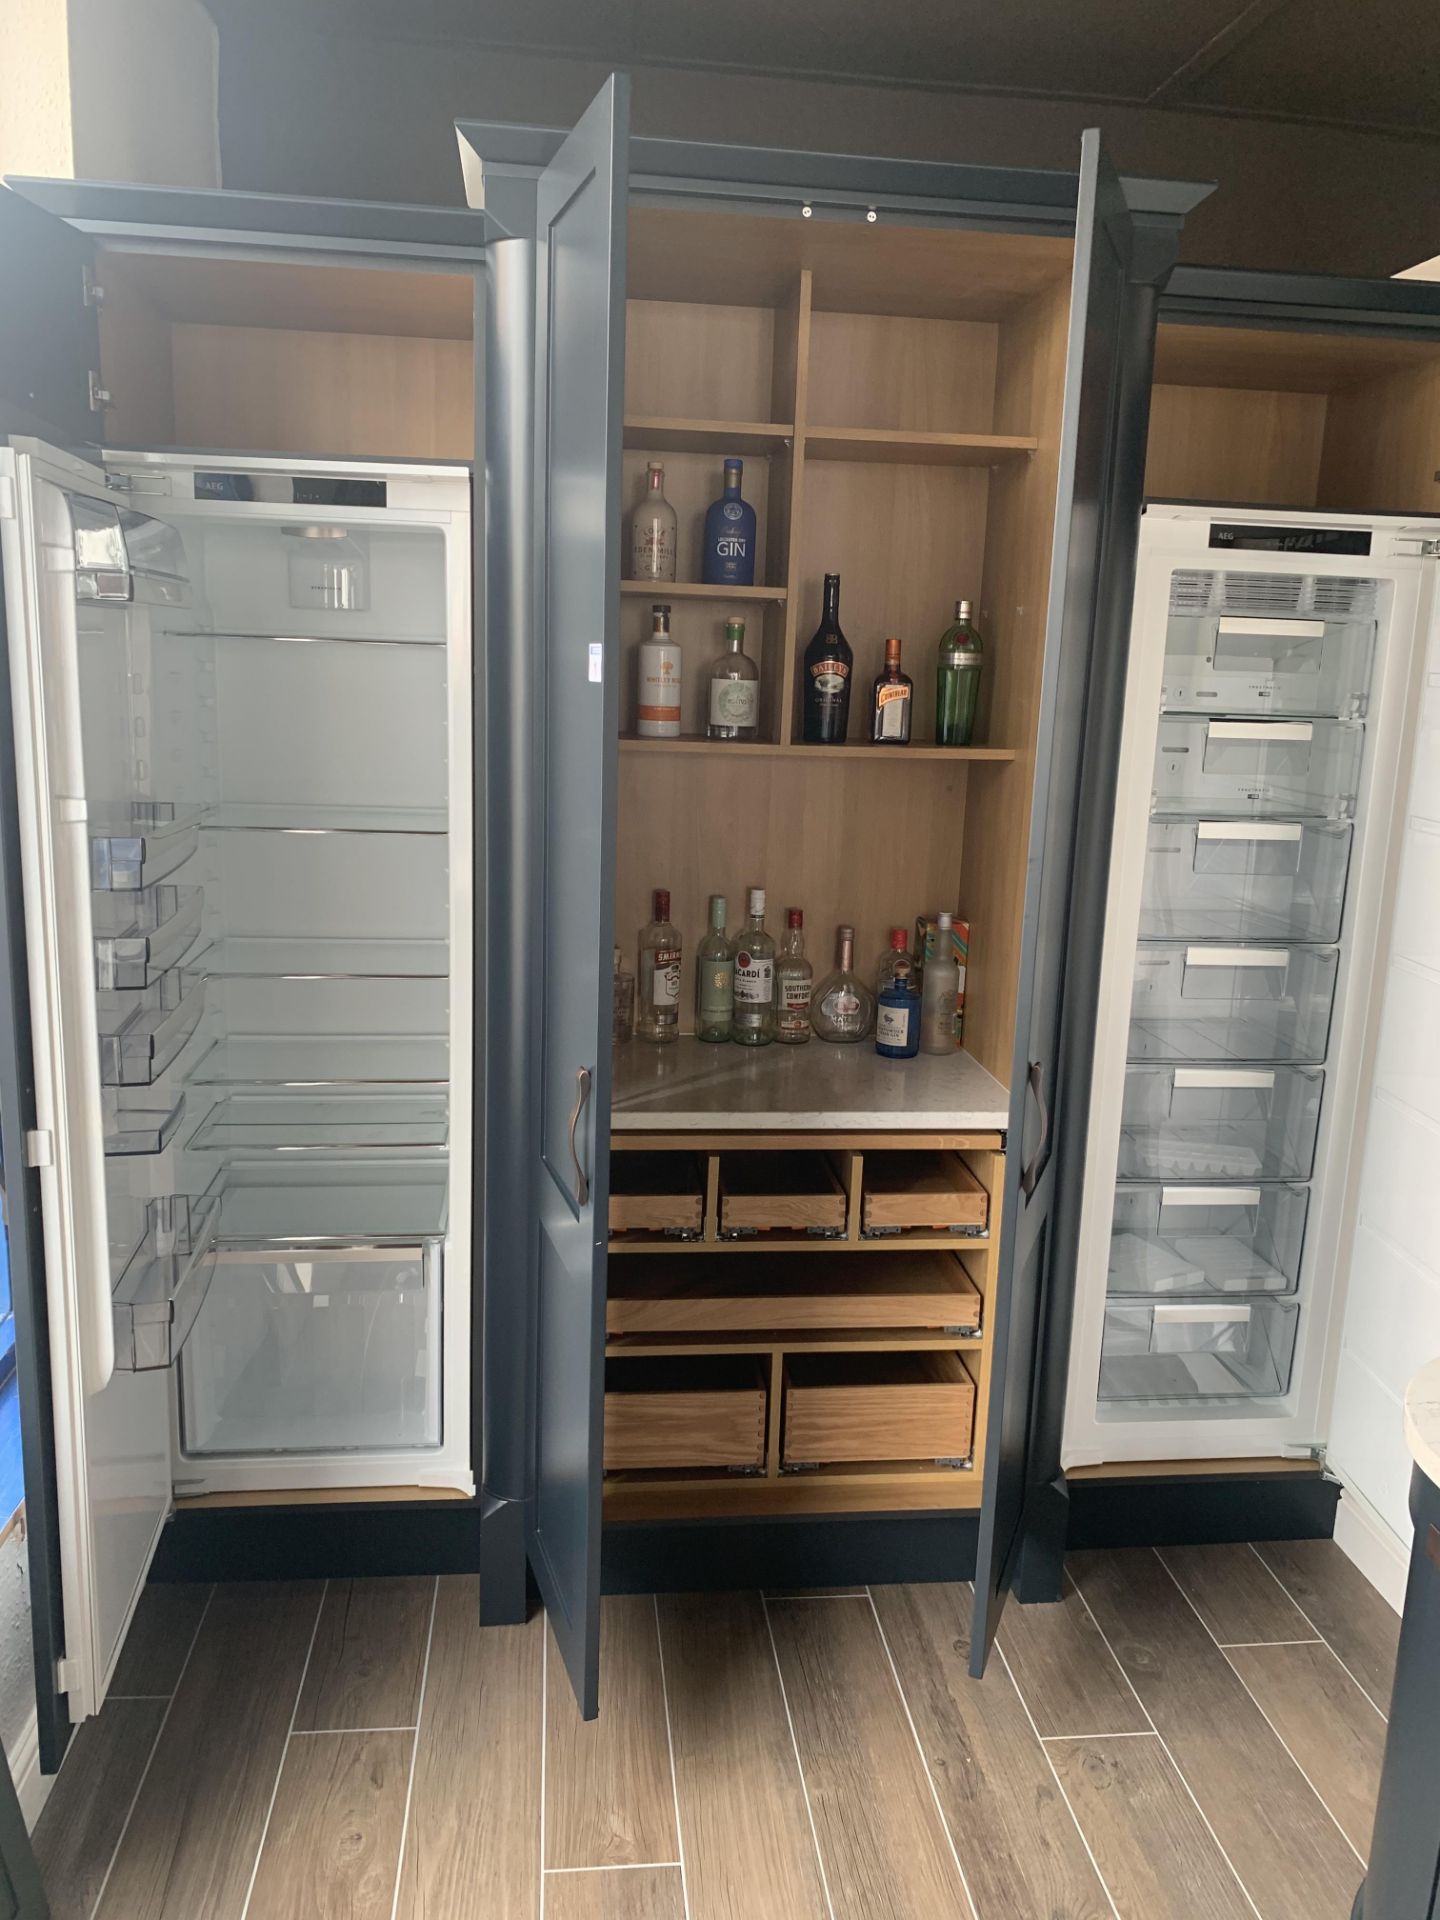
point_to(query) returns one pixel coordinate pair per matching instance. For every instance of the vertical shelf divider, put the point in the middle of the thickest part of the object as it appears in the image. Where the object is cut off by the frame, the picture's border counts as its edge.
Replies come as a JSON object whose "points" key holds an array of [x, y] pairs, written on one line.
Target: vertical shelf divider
{"points": [[790, 401], [772, 1421]]}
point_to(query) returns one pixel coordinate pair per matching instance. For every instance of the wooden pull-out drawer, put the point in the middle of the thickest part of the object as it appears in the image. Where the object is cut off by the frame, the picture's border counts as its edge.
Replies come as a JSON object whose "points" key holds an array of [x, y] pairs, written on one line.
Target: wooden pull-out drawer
{"points": [[780, 1193], [933, 1190], [790, 1292], [657, 1193], [876, 1406], [701, 1412]]}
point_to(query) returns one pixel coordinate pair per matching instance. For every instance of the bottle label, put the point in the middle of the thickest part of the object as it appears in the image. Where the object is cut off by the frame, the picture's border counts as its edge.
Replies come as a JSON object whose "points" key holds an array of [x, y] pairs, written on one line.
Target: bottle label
{"points": [[795, 994], [659, 702], [665, 981], [734, 703], [652, 552], [892, 1026], [717, 989], [841, 1006], [892, 704], [830, 676], [754, 978]]}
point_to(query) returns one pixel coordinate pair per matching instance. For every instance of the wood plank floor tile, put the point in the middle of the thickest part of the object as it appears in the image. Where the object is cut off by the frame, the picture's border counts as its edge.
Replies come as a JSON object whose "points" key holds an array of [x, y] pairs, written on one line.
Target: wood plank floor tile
{"points": [[1279, 1837], [1235, 1595], [1022, 1855], [749, 1850], [882, 1841], [190, 1847], [333, 1843], [609, 1798], [1064, 1673], [1343, 1606], [644, 1893], [159, 1639], [1335, 1732], [1158, 1857], [81, 1821], [369, 1652], [472, 1850]]}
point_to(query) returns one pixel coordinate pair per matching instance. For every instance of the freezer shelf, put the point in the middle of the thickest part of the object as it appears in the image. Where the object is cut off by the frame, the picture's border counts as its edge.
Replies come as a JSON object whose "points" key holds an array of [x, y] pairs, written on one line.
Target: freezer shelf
{"points": [[139, 936], [142, 1034], [1258, 768], [299, 1122], [1275, 881], [324, 1059], [1236, 1350], [1187, 1240], [1271, 663], [162, 1289], [1232, 1003], [1219, 1123]]}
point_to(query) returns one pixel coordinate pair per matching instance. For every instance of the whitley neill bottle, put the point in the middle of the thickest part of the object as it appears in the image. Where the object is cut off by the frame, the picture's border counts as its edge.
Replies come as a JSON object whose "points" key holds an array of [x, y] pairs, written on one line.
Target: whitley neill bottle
{"points": [[828, 664]]}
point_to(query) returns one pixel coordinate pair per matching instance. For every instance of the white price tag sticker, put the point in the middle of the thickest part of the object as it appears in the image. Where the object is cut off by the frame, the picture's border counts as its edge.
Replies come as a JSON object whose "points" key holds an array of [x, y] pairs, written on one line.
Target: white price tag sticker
{"points": [[597, 662]]}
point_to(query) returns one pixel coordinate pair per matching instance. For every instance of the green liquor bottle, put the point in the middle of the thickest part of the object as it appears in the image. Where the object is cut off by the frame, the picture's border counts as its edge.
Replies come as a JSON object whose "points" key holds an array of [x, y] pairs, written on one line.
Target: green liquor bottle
{"points": [[715, 978], [957, 679]]}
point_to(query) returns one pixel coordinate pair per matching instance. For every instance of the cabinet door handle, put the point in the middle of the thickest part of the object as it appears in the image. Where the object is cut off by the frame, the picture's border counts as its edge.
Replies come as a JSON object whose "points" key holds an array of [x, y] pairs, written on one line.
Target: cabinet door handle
{"points": [[1030, 1174], [582, 1097]]}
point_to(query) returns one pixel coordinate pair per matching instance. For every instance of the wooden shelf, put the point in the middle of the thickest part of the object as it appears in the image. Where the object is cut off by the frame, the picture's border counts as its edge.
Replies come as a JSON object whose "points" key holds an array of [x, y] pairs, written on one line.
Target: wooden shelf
{"points": [[917, 449], [659, 433], [715, 1293], [816, 1340], [794, 750], [696, 590]]}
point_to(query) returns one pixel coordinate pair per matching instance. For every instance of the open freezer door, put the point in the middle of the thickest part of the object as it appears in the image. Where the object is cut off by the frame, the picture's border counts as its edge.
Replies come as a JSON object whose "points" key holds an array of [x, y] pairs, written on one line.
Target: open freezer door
{"points": [[579, 391], [1092, 576]]}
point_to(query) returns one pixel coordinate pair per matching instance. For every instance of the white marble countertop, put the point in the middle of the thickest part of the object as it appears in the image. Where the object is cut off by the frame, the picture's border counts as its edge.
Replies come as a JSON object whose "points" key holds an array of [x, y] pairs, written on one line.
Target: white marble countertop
{"points": [[1422, 1420], [692, 1086]]}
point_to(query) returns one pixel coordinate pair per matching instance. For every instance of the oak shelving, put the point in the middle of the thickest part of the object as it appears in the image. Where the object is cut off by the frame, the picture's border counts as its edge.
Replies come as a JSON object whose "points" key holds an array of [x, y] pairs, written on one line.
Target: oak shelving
{"points": [[901, 447]]}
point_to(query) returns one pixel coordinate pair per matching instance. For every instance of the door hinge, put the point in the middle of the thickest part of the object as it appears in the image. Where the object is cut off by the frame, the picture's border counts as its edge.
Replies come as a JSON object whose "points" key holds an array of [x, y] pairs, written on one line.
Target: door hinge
{"points": [[1416, 546], [1304, 1450], [94, 293], [67, 1675], [138, 483], [100, 396], [39, 1148]]}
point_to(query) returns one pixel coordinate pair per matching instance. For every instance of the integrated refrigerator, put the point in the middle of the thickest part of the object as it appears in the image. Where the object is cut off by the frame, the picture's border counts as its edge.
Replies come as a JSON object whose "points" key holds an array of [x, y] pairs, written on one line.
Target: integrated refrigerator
{"points": [[243, 730], [1275, 674]]}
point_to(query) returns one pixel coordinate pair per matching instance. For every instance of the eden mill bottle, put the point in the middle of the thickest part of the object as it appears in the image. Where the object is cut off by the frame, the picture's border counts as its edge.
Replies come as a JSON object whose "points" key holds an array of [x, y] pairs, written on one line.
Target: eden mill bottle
{"points": [[657, 709], [658, 1015], [793, 981], [652, 531], [753, 1024]]}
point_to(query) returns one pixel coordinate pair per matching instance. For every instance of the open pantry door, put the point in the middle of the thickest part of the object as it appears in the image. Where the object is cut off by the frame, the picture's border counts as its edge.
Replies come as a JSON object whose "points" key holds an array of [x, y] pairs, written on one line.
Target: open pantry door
{"points": [[579, 387], [1092, 576]]}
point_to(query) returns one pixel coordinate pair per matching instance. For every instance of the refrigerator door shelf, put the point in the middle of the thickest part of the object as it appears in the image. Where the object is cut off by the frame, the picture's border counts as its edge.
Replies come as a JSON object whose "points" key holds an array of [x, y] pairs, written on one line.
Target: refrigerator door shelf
{"points": [[1231, 880], [159, 1295], [1253, 769], [139, 936], [1196, 1124], [141, 1035], [1211, 1003], [1237, 1350], [143, 1122], [132, 848], [1206, 1241], [1249, 663]]}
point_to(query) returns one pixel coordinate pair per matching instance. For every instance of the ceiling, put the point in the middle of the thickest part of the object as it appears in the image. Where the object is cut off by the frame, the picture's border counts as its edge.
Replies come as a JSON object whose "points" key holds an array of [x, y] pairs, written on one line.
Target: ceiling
{"points": [[1369, 65]]}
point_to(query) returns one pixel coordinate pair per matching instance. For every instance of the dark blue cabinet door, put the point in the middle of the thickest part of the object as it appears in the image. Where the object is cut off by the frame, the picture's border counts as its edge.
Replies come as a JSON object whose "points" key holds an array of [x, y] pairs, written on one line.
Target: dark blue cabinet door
{"points": [[1106, 410], [579, 392]]}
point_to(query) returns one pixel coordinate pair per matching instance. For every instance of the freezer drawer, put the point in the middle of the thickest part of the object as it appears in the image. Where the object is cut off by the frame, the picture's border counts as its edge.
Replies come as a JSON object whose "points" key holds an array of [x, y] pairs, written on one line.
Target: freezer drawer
{"points": [[1190, 1240], [1266, 663], [1258, 768], [1240, 1349], [1232, 1003], [1269, 880], [1219, 1123]]}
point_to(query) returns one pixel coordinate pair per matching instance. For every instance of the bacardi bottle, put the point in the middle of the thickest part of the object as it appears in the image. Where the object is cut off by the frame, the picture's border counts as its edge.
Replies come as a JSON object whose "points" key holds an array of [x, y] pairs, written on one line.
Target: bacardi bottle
{"points": [[754, 1019]]}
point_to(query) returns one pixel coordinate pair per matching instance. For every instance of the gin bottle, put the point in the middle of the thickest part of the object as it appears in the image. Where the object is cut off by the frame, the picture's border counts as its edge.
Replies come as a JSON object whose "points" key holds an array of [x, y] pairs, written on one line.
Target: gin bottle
{"points": [[652, 531], [734, 689], [754, 1019], [714, 978], [728, 559]]}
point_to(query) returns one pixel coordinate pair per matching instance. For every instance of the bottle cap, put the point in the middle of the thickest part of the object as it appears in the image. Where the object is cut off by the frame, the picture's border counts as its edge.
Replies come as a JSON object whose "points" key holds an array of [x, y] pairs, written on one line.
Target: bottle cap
{"points": [[733, 463], [735, 632], [657, 473], [964, 610], [662, 903], [717, 910], [892, 646], [946, 923], [831, 580], [757, 901], [899, 940], [794, 919]]}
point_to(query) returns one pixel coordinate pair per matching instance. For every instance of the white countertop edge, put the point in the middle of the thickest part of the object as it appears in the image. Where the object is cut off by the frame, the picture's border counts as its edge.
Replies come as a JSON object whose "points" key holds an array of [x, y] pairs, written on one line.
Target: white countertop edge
{"points": [[1422, 1420]]}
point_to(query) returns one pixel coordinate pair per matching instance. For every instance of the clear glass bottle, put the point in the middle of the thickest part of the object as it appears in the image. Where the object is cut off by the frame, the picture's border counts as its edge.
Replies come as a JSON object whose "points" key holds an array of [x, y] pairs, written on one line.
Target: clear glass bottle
{"points": [[658, 1015], [939, 992], [843, 1009], [897, 952], [753, 1024], [653, 531], [714, 978], [897, 1013], [623, 1017], [892, 700], [794, 979], [734, 689], [957, 678]]}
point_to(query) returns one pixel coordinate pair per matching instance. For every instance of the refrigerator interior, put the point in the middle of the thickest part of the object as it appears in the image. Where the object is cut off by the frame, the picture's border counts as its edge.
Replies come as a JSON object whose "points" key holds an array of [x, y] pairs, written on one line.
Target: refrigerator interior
{"points": [[1255, 830], [275, 726]]}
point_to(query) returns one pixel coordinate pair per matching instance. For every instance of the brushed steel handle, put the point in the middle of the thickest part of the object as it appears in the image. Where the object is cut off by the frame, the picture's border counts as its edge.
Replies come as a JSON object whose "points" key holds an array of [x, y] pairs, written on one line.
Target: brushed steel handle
{"points": [[1031, 1174], [582, 1097]]}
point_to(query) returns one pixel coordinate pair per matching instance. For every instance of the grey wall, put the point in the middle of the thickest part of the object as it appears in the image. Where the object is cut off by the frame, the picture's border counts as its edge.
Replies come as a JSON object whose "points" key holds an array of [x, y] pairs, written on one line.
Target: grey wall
{"points": [[352, 116]]}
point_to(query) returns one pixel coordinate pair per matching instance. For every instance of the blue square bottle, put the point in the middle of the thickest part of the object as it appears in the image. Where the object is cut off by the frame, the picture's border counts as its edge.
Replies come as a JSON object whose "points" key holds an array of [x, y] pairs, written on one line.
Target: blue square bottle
{"points": [[729, 554]]}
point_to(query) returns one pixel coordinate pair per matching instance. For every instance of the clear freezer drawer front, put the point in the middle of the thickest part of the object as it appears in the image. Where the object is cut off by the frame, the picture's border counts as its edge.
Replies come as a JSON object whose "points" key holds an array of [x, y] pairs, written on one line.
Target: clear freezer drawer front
{"points": [[1266, 663], [1192, 1240], [1232, 880], [1232, 1003], [1221, 1123], [1223, 1351], [1254, 769]]}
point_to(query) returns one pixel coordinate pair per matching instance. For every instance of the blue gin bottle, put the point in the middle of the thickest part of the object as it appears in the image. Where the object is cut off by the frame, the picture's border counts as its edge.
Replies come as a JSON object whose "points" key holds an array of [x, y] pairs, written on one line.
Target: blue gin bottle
{"points": [[729, 557], [897, 1019]]}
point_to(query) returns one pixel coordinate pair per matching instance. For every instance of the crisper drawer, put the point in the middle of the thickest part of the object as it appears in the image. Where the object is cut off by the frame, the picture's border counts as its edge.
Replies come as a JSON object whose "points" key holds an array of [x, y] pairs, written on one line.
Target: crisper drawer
{"points": [[876, 1406], [1206, 1240], [1232, 1003], [1272, 880], [1239, 1349], [701, 1412], [1219, 1123], [1254, 768], [1266, 663]]}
